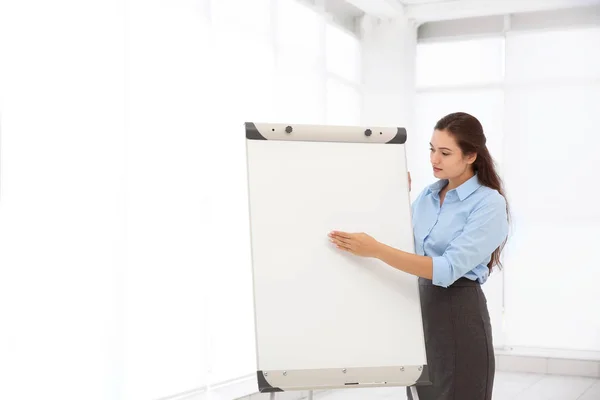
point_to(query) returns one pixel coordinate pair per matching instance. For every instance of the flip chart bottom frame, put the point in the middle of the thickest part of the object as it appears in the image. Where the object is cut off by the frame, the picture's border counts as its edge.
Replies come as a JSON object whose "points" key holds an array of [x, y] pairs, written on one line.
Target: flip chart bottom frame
{"points": [[413, 392], [324, 379]]}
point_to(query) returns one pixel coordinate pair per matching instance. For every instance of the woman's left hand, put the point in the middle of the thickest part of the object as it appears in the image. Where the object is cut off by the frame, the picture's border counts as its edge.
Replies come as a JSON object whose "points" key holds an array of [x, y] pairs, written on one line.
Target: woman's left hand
{"points": [[359, 244]]}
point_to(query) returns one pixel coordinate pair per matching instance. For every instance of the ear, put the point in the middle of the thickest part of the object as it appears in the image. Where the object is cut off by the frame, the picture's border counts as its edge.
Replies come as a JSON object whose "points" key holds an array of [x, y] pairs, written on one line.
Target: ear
{"points": [[471, 158]]}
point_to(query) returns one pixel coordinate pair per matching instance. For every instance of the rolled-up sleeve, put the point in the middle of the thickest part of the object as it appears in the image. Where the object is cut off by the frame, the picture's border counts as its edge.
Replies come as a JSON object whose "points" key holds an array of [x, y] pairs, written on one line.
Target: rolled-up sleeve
{"points": [[485, 230]]}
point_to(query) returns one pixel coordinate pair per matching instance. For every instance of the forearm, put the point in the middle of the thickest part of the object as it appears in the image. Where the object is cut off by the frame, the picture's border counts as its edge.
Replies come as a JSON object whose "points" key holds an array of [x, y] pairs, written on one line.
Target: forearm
{"points": [[413, 264]]}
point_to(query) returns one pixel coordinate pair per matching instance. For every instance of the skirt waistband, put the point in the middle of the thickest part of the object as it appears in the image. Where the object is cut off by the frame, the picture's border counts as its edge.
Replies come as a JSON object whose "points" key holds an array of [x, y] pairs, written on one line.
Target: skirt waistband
{"points": [[459, 282]]}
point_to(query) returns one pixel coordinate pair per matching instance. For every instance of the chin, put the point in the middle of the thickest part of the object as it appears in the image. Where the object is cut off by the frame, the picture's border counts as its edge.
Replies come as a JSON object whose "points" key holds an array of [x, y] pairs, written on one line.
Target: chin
{"points": [[439, 174]]}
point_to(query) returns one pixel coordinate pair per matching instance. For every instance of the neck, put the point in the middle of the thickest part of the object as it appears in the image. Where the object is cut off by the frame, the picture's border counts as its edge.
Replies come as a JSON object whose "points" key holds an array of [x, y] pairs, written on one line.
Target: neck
{"points": [[459, 180]]}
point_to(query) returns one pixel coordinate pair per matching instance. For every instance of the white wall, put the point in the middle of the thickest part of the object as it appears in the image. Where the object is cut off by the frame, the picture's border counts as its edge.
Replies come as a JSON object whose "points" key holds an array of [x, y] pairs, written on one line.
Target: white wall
{"points": [[388, 61], [168, 152], [124, 247], [61, 199]]}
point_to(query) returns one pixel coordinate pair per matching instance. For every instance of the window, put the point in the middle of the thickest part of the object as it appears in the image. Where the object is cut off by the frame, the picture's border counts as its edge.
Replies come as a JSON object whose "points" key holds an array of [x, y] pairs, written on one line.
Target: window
{"points": [[242, 79], [543, 116], [343, 103], [165, 281], [465, 62], [299, 96], [552, 102], [566, 54], [553, 146], [343, 53], [299, 32]]}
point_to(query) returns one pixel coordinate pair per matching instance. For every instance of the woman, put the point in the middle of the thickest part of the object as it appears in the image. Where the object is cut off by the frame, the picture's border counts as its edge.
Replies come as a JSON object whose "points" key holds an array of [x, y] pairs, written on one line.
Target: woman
{"points": [[460, 227]]}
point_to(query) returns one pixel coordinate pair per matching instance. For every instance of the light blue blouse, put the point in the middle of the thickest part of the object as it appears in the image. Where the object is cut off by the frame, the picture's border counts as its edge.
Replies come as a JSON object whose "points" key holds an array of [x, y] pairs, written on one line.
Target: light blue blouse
{"points": [[460, 235]]}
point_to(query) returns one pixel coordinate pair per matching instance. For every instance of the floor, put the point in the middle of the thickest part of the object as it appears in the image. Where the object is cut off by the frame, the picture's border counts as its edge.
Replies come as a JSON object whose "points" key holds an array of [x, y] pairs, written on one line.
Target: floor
{"points": [[507, 386]]}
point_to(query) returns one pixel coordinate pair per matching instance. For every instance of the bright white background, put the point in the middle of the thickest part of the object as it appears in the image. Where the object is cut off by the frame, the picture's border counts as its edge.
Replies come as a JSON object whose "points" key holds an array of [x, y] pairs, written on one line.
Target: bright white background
{"points": [[552, 105], [62, 199], [124, 258], [124, 237]]}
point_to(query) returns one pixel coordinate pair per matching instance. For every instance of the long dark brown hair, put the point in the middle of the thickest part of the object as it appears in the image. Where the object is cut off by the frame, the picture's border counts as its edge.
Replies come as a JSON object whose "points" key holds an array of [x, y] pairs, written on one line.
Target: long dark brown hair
{"points": [[469, 135]]}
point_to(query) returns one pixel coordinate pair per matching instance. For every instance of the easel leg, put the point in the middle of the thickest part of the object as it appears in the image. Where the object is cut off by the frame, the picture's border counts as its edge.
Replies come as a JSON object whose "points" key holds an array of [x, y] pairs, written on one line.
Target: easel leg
{"points": [[413, 392], [272, 396]]}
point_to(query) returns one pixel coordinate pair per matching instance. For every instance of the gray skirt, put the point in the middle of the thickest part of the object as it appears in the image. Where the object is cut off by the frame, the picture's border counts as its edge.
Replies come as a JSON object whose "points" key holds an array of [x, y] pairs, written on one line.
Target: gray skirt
{"points": [[458, 341]]}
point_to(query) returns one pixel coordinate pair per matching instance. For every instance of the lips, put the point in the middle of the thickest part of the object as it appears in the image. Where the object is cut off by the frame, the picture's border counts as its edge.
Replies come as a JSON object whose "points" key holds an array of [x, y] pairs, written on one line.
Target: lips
{"points": [[436, 169]]}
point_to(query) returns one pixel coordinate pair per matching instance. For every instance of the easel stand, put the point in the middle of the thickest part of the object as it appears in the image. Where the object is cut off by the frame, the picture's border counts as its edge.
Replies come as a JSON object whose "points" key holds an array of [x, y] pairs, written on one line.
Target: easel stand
{"points": [[310, 395], [413, 391]]}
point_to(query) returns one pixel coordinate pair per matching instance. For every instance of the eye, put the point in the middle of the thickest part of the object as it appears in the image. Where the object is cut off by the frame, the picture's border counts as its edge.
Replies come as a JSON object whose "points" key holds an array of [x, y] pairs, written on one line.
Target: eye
{"points": [[446, 154]]}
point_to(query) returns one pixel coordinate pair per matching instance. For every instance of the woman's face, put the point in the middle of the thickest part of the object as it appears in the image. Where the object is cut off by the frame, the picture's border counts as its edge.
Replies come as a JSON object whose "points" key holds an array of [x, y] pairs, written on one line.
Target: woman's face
{"points": [[447, 159]]}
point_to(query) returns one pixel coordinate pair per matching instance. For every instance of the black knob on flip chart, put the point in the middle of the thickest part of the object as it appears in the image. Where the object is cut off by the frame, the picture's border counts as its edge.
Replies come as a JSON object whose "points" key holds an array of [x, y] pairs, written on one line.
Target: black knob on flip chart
{"points": [[288, 129], [368, 132]]}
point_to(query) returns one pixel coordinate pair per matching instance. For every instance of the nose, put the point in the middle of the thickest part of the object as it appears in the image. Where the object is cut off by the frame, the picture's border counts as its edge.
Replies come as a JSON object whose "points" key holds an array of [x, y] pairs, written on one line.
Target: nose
{"points": [[434, 158]]}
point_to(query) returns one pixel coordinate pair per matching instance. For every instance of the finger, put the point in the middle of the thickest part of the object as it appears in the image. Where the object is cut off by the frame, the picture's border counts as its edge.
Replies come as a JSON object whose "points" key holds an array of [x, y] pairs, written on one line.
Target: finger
{"points": [[340, 244], [343, 240], [345, 249], [342, 234]]}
